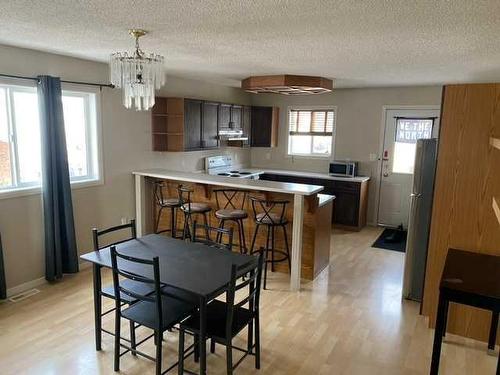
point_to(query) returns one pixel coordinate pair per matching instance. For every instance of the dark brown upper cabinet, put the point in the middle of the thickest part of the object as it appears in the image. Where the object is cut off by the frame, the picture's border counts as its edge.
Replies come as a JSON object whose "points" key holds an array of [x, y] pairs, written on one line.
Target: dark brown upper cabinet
{"points": [[236, 117], [192, 124], [264, 126], [230, 116], [224, 115], [210, 125], [181, 124], [247, 124]]}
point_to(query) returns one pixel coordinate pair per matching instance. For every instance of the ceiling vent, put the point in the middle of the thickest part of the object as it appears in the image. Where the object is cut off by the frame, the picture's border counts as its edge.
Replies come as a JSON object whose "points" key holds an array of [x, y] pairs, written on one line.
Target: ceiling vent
{"points": [[287, 85]]}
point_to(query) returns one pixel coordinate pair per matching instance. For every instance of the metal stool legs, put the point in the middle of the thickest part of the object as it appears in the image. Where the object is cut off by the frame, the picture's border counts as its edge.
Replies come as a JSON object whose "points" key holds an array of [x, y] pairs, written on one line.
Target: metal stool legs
{"points": [[241, 233], [173, 222], [270, 248], [188, 223]]}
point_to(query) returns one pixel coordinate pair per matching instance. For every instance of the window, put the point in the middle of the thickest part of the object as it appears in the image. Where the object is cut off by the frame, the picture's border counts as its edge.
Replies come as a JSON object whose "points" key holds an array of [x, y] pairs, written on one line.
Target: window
{"points": [[20, 146], [311, 132], [408, 130]]}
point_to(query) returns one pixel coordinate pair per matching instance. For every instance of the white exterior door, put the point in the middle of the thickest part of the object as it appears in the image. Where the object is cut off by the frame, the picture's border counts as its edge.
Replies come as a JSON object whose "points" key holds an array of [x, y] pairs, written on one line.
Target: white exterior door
{"points": [[402, 129]]}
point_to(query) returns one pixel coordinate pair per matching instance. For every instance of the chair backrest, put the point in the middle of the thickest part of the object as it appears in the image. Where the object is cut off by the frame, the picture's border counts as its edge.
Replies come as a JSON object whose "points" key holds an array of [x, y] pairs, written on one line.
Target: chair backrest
{"points": [[185, 195], [232, 199], [158, 192], [208, 239], [265, 210], [252, 280], [120, 274], [96, 233]]}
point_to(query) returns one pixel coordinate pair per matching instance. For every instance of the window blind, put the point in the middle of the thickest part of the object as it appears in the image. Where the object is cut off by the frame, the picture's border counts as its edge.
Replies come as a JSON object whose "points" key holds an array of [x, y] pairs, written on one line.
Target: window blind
{"points": [[311, 122]]}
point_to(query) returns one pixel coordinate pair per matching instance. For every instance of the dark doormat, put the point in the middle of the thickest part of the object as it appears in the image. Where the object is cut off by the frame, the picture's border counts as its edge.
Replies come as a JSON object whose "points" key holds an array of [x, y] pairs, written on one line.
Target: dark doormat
{"points": [[392, 239]]}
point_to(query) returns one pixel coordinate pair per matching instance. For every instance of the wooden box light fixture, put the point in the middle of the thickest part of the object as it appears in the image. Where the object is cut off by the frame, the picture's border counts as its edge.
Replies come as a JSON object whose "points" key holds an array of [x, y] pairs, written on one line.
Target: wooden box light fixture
{"points": [[286, 84]]}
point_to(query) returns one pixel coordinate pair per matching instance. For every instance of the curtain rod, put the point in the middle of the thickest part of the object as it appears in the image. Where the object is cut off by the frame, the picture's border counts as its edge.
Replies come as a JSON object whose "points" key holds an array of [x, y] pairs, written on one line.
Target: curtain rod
{"points": [[100, 85]]}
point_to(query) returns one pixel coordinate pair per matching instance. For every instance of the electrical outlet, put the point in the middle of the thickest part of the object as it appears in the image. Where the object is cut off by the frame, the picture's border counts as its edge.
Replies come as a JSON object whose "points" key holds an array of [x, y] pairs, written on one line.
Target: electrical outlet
{"points": [[268, 156], [124, 220]]}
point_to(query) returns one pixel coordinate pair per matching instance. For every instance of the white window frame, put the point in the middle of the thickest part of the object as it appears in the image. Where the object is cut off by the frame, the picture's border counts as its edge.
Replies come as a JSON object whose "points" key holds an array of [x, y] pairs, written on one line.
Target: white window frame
{"points": [[289, 154], [94, 137]]}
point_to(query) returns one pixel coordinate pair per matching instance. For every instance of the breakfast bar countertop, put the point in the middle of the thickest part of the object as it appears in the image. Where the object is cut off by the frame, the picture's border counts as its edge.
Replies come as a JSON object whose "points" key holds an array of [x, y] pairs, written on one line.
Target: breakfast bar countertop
{"points": [[239, 183]]}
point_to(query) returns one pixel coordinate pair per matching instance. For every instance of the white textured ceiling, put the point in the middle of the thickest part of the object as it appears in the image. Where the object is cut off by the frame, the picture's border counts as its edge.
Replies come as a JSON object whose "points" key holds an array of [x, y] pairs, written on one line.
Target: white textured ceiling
{"points": [[359, 43]]}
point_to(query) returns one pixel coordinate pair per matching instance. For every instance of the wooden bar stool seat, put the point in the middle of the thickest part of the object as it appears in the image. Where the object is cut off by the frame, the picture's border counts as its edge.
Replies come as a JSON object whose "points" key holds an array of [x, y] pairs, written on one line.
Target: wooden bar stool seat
{"points": [[196, 208], [231, 214], [271, 214], [270, 219], [171, 202], [230, 207]]}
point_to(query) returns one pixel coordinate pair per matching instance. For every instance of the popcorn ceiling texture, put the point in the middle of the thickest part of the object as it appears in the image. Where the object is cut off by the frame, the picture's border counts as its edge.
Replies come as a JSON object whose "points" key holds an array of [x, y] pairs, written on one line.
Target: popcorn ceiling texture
{"points": [[360, 43]]}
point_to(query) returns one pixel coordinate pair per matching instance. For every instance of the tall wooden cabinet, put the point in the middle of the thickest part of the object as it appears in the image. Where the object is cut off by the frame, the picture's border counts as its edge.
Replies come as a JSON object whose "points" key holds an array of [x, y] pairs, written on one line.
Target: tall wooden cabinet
{"points": [[467, 185]]}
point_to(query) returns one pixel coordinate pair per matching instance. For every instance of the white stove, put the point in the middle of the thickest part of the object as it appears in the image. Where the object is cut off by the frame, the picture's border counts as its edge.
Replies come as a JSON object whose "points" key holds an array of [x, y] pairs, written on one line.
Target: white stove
{"points": [[222, 165]]}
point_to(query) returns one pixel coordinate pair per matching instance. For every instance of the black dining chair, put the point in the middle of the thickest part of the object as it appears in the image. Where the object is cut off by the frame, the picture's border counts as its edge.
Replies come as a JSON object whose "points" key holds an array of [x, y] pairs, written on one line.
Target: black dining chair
{"points": [[225, 320], [214, 237], [158, 311], [108, 290]]}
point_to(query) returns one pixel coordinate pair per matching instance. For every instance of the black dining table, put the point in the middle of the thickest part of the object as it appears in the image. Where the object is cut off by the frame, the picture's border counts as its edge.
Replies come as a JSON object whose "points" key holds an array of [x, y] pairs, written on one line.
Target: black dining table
{"points": [[201, 271]]}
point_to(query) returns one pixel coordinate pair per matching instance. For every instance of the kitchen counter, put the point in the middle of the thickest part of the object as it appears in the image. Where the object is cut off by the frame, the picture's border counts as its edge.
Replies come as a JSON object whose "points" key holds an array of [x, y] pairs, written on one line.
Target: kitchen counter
{"points": [[324, 199], [308, 213], [324, 176], [238, 183]]}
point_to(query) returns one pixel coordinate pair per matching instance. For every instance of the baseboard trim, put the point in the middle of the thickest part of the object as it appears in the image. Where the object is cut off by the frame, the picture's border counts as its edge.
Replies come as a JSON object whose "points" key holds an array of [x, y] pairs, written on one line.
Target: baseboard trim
{"points": [[37, 282]]}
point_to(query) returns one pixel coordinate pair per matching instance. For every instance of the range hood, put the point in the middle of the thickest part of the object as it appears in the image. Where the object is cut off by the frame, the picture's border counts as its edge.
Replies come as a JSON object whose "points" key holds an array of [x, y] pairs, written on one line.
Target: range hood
{"points": [[229, 134], [287, 84]]}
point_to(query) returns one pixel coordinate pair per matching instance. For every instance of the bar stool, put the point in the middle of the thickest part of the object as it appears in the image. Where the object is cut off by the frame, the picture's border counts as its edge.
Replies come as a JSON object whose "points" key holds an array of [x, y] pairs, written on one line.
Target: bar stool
{"points": [[270, 213], [170, 203], [230, 207], [190, 208]]}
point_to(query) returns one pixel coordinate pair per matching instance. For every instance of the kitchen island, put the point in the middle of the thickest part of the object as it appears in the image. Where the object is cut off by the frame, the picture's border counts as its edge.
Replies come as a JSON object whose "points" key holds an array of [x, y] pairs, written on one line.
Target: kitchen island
{"points": [[308, 213]]}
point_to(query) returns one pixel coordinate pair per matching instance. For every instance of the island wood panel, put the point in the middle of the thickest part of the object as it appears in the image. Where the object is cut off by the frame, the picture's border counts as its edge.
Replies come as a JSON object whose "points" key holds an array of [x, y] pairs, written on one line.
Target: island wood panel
{"points": [[316, 227], [467, 179]]}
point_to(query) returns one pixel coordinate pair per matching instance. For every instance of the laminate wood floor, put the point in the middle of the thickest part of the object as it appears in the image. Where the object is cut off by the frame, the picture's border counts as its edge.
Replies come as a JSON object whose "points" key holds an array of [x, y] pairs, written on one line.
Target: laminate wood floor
{"points": [[350, 320]]}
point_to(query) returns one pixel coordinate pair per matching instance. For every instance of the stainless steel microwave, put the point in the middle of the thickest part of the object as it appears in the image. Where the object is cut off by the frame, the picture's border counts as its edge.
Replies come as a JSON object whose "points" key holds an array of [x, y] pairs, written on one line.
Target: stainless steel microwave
{"points": [[343, 168]]}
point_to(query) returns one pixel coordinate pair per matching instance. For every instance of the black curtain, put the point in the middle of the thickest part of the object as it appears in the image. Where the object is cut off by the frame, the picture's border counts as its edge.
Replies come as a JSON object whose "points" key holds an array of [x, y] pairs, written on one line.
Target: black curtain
{"points": [[60, 244], [3, 288]]}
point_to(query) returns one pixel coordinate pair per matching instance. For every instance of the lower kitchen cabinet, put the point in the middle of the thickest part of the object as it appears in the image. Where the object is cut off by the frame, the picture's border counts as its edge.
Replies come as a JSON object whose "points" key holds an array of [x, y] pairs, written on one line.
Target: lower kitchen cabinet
{"points": [[351, 201]]}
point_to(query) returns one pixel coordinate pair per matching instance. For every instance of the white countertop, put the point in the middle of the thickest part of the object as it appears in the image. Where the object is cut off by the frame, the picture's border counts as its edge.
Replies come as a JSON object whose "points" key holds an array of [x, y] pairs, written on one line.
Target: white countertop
{"points": [[324, 176], [239, 183], [324, 199]]}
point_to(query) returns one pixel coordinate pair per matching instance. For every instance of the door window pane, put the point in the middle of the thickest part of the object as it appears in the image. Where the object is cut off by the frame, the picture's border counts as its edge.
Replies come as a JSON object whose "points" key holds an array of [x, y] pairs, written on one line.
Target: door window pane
{"points": [[76, 135], [5, 153], [407, 133], [27, 136]]}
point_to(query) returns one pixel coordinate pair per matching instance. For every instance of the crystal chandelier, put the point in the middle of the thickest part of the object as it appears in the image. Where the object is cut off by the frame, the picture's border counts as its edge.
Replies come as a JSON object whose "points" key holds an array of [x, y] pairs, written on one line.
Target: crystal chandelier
{"points": [[137, 74]]}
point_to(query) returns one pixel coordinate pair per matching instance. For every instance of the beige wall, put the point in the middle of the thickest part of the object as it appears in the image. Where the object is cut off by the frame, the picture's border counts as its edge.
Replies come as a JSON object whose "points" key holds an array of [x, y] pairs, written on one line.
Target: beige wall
{"points": [[358, 128], [126, 139]]}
